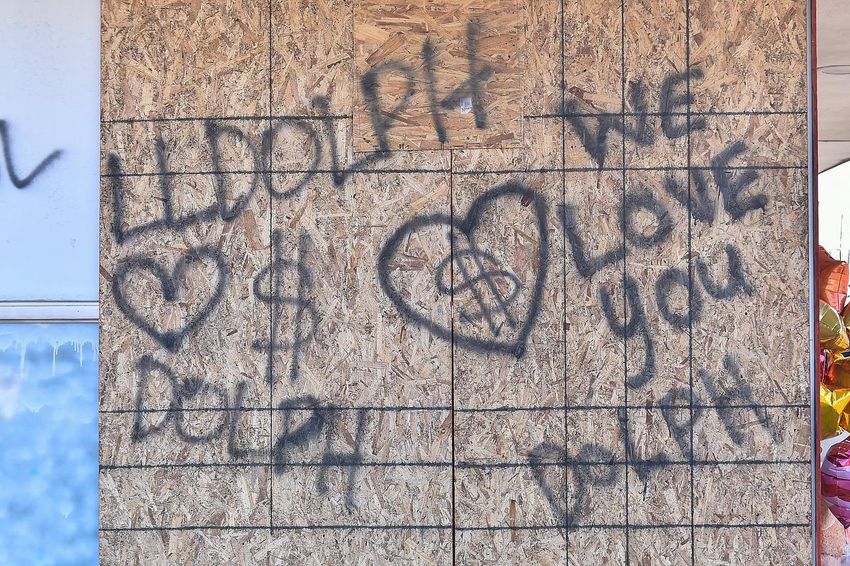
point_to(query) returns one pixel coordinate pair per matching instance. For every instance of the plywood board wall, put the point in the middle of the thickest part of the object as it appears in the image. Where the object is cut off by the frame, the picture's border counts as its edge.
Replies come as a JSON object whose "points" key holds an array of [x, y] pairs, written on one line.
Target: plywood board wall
{"points": [[480, 282]]}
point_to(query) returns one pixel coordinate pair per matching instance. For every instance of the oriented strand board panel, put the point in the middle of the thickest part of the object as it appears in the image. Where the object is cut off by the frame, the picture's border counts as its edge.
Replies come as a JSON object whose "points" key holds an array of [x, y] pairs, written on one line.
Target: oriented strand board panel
{"points": [[437, 74], [482, 282]]}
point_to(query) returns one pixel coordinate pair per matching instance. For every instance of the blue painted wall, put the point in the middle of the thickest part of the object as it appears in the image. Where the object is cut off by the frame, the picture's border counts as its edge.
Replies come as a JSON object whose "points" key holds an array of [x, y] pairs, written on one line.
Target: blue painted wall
{"points": [[48, 444]]}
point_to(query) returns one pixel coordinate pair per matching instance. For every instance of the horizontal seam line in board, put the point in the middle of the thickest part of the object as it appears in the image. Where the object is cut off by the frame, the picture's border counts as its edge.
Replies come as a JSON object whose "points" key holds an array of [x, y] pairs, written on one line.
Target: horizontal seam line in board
{"points": [[544, 115], [631, 462], [266, 172], [571, 408], [266, 409], [646, 526], [445, 171], [667, 114], [265, 464], [632, 168], [633, 407], [462, 465], [228, 118], [575, 526], [276, 527]]}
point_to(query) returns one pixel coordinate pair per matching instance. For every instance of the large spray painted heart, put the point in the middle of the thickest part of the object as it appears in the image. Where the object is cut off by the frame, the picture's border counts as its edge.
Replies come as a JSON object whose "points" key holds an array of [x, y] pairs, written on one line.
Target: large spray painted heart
{"points": [[170, 285], [494, 290]]}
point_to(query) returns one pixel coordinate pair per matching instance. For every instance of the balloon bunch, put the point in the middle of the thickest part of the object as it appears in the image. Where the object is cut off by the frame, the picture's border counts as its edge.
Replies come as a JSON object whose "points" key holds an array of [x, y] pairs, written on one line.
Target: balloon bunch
{"points": [[834, 374], [834, 366]]}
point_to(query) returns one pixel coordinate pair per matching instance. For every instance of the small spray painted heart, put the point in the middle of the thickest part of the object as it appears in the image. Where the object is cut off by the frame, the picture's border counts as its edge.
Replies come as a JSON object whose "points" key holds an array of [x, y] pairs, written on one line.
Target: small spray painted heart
{"points": [[170, 285]]}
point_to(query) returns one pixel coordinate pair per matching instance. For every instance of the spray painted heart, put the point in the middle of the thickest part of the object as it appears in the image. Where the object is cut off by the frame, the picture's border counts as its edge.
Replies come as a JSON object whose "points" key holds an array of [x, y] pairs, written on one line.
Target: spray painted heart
{"points": [[494, 298], [170, 285]]}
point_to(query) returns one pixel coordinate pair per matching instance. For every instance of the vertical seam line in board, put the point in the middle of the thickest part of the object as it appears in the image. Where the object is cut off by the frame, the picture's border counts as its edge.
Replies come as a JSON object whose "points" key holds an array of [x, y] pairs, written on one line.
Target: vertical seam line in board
{"points": [[625, 422], [690, 271], [564, 275], [452, 349], [271, 275]]}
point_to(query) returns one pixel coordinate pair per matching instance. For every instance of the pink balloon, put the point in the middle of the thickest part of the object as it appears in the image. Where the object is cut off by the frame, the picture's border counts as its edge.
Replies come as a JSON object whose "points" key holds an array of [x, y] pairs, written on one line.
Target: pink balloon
{"points": [[835, 481]]}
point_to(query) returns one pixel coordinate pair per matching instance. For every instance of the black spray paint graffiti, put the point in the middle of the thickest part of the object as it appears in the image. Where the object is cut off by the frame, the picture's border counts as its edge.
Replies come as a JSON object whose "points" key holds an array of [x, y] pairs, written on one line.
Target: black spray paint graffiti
{"points": [[306, 315], [218, 134], [482, 282], [668, 280], [732, 185], [470, 271], [726, 401], [470, 92], [595, 466], [221, 137], [674, 97], [22, 182], [272, 285], [671, 101], [309, 431], [471, 89], [643, 199], [170, 284], [586, 476], [194, 396]]}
